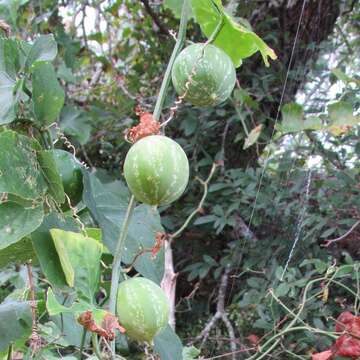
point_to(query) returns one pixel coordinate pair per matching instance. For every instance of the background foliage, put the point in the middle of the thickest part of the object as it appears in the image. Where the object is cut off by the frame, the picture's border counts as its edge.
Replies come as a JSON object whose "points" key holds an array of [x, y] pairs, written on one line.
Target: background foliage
{"points": [[86, 64]]}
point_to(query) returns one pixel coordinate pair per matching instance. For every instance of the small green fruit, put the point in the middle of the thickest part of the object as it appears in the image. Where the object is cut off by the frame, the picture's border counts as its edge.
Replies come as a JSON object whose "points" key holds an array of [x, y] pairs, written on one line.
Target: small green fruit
{"points": [[142, 308], [214, 77], [71, 176], [156, 170]]}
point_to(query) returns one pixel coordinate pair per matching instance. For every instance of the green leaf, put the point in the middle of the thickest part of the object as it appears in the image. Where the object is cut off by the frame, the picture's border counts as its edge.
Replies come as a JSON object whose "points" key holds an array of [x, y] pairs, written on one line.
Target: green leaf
{"points": [[313, 123], [282, 289], [168, 345], [293, 118], [43, 49], [51, 175], [7, 85], [341, 113], [80, 259], [71, 330], [341, 117], [175, 6], [9, 57], [45, 247], [18, 253], [75, 124], [19, 168], [48, 95], [65, 73], [15, 322], [17, 221], [252, 137], [190, 353], [343, 77], [55, 308], [236, 40], [108, 204]]}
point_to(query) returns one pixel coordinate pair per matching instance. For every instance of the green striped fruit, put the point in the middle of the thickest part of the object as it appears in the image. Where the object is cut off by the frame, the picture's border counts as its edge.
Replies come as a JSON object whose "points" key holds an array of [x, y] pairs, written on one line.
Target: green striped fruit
{"points": [[142, 308], [71, 176], [214, 76], [156, 170]]}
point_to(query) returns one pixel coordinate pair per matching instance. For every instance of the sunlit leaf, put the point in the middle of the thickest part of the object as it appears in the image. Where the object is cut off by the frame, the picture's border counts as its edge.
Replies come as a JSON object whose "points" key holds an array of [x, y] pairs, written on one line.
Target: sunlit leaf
{"points": [[80, 259], [235, 39]]}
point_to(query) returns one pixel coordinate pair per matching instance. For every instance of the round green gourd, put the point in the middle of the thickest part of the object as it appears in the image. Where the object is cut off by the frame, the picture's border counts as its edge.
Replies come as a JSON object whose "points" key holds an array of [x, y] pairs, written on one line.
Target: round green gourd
{"points": [[156, 170], [214, 77], [142, 308], [71, 176]]}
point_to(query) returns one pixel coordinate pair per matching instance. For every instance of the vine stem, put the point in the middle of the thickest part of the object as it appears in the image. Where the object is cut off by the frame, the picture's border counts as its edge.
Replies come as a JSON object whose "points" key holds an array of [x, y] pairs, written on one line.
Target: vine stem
{"points": [[178, 45], [10, 351], [83, 337], [96, 346], [205, 184], [115, 275]]}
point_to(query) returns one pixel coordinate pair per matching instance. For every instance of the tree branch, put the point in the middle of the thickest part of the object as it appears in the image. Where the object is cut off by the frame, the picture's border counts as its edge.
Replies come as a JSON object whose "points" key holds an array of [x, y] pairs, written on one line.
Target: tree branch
{"points": [[326, 153], [205, 184], [221, 314], [329, 242], [163, 29]]}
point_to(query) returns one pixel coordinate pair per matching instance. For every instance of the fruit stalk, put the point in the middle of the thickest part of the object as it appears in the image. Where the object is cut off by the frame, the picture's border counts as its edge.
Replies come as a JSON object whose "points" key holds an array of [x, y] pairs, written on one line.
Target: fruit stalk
{"points": [[115, 275], [178, 45]]}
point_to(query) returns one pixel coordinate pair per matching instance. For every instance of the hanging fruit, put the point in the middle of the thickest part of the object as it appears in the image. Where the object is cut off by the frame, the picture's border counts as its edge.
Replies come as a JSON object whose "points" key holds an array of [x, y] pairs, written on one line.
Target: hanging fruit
{"points": [[156, 170], [142, 308], [205, 75]]}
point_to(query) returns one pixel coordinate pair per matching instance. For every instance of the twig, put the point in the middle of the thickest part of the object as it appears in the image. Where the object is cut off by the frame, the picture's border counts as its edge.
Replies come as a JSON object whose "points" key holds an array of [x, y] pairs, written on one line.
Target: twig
{"points": [[163, 29], [230, 353], [329, 242], [83, 9], [223, 143], [35, 340], [199, 208], [221, 314], [5, 27], [336, 162], [344, 38]]}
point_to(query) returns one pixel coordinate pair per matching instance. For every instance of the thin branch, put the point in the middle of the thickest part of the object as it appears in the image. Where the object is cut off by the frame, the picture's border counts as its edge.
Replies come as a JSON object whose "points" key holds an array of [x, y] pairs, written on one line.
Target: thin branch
{"points": [[163, 29], [223, 144], [199, 208], [329, 242], [344, 38], [83, 9], [326, 153], [35, 341], [221, 314]]}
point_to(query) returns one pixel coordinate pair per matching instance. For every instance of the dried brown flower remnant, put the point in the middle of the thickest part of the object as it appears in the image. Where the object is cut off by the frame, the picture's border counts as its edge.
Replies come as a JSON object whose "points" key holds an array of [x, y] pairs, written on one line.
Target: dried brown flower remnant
{"points": [[107, 328], [147, 126]]}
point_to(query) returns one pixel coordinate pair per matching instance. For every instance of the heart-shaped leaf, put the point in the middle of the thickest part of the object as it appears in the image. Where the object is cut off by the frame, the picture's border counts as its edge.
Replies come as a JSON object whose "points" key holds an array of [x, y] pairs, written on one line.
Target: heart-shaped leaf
{"points": [[236, 40]]}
